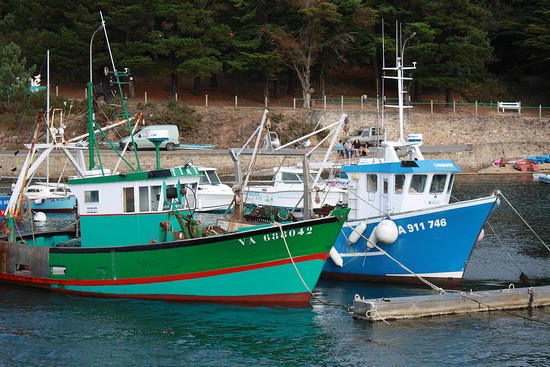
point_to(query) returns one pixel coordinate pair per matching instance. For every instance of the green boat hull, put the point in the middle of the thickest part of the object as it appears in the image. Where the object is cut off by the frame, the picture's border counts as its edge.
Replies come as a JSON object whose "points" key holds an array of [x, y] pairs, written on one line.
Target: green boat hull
{"points": [[275, 264]]}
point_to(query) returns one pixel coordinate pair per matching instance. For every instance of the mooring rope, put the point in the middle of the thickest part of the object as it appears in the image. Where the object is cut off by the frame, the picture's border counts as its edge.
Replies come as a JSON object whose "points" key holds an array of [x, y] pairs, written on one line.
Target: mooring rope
{"points": [[504, 247], [346, 307], [524, 221], [375, 309], [464, 295], [431, 285]]}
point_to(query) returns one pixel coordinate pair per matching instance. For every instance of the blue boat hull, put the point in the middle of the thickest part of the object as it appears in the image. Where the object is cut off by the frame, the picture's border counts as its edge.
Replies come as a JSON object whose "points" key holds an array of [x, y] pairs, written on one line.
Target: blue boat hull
{"points": [[433, 243], [58, 204]]}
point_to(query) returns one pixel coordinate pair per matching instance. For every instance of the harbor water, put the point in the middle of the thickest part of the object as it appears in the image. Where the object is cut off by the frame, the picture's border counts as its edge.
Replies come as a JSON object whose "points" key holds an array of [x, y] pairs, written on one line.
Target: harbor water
{"points": [[40, 328]]}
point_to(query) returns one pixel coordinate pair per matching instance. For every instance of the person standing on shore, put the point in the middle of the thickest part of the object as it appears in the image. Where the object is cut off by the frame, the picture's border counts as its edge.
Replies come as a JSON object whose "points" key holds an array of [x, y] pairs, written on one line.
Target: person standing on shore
{"points": [[357, 148], [340, 149], [348, 148]]}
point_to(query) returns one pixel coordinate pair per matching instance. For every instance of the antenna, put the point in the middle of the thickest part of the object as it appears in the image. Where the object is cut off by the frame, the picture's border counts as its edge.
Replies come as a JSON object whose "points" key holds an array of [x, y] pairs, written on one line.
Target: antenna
{"points": [[399, 69], [383, 47]]}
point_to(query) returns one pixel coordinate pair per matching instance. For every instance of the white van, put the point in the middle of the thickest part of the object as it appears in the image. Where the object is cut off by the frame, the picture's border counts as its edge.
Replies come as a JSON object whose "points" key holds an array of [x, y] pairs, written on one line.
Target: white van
{"points": [[142, 141]]}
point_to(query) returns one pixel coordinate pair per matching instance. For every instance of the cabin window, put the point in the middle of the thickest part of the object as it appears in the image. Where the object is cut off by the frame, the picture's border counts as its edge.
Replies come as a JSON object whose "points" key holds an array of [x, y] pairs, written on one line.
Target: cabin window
{"points": [[290, 177], [129, 199], [91, 196], [167, 203], [438, 184], [204, 178], [372, 183], [451, 181], [144, 198], [155, 198], [385, 186], [213, 177], [399, 183], [418, 183]]}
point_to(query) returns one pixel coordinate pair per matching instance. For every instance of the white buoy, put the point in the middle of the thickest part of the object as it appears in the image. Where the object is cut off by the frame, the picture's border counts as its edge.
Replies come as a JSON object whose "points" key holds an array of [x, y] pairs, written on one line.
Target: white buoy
{"points": [[39, 217], [357, 232], [385, 232], [335, 256], [481, 235]]}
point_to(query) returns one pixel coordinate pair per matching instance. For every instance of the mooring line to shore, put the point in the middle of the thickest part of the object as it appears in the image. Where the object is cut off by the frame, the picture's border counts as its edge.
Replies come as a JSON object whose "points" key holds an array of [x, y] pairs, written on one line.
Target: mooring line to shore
{"points": [[526, 318], [437, 289], [524, 221], [504, 247], [346, 307]]}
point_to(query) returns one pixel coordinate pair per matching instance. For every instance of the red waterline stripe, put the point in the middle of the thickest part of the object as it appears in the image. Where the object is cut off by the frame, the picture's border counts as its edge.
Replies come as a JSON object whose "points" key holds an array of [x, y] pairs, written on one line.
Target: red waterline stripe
{"points": [[45, 282], [284, 299]]}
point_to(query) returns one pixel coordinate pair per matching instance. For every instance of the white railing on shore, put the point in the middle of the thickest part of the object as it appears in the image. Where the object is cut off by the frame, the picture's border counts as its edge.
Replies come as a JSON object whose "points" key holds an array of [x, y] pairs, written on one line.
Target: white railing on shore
{"points": [[374, 104]]}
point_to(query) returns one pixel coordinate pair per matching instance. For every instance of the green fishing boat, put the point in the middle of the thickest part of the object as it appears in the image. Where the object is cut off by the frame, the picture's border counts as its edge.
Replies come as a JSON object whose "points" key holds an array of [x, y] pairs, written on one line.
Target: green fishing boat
{"points": [[136, 236]]}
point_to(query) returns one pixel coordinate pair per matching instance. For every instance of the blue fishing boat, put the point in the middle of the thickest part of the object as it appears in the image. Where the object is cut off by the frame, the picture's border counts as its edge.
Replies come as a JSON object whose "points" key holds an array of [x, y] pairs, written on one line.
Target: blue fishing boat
{"points": [[402, 226]]}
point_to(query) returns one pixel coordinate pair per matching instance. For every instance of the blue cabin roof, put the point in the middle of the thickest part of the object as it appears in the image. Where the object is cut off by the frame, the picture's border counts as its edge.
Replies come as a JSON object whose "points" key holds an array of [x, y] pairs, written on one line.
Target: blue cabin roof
{"points": [[420, 166]]}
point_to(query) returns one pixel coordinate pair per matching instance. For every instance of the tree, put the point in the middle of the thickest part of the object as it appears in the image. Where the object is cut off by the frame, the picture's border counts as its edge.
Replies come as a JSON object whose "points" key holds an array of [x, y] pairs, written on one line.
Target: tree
{"points": [[357, 48], [537, 37], [251, 51], [187, 40], [460, 47], [301, 47], [14, 76]]}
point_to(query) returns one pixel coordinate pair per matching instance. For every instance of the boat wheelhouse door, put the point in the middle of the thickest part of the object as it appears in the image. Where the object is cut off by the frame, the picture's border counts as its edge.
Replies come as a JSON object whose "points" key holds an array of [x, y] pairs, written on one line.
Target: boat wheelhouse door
{"points": [[386, 202]]}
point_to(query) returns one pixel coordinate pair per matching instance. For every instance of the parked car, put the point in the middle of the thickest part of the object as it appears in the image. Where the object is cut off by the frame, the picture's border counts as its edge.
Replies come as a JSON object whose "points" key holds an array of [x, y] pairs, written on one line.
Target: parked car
{"points": [[142, 142], [370, 135]]}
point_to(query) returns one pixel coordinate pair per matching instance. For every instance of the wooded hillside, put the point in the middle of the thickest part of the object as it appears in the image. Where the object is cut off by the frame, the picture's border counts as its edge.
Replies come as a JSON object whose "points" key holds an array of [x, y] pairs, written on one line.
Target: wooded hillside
{"points": [[469, 50]]}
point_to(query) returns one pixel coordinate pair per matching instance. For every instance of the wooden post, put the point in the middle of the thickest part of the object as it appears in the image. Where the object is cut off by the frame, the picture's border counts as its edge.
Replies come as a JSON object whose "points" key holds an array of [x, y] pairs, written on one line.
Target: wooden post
{"points": [[476, 108], [342, 102], [294, 99], [325, 101], [176, 97], [432, 107], [454, 108], [145, 97], [236, 104]]}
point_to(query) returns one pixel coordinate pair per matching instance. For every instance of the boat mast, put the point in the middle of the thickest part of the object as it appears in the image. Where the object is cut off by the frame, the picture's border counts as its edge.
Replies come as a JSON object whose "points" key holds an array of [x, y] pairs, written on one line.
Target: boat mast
{"points": [[48, 113], [91, 114], [399, 69], [117, 81]]}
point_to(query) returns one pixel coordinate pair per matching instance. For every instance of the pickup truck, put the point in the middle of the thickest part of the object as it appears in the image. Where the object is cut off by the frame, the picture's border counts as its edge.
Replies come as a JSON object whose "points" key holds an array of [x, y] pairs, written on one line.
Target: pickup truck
{"points": [[370, 135]]}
